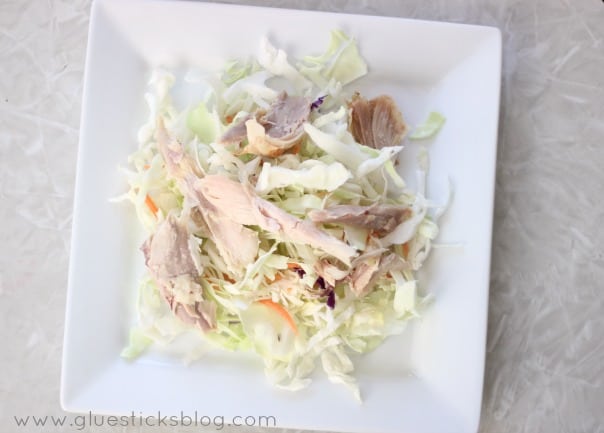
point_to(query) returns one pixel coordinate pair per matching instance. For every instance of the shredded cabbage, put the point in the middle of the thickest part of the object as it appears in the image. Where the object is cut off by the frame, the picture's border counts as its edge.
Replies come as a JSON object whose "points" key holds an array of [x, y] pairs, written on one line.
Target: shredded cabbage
{"points": [[205, 125], [311, 174], [274, 60], [341, 62], [280, 305], [430, 127], [138, 342]]}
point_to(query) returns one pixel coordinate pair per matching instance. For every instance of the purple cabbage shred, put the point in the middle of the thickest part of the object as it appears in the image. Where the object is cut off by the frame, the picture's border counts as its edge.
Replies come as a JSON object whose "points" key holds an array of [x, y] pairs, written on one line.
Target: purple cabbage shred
{"points": [[331, 299], [321, 283], [317, 102], [328, 291]]}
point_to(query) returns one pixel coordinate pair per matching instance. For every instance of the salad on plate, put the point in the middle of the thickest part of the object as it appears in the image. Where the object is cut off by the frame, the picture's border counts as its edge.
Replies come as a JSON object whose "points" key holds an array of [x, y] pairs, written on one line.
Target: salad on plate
{"points": [[277, 221]]}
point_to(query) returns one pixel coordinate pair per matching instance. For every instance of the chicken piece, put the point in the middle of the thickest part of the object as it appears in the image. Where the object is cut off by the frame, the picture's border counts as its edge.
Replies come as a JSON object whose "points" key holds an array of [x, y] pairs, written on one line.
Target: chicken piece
{"points": [[227, 196], [170, 253], [272, 132], [330, 273], [237, 245], [377, 122], [172, 258], [201, 314], [285, 117], [243, 206], [196, 223], [367, 272], [236, 133], [260, 143], [364, 275], [381, 219], [303, 231], [180, 166]]}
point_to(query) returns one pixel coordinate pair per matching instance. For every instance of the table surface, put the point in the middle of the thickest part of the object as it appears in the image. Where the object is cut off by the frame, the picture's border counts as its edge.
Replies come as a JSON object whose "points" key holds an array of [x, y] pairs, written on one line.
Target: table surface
{"points": [[545, 352]]}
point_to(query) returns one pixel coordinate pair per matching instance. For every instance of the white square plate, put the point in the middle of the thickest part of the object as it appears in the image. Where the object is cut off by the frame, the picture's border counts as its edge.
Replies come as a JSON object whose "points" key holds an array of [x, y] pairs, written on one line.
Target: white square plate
{"points": [[427, 380]]}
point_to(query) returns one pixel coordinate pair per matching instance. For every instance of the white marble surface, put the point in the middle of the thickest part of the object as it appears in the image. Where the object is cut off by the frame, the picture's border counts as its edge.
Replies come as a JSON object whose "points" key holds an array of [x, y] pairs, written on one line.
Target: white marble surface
{"points": [[545, 353]]}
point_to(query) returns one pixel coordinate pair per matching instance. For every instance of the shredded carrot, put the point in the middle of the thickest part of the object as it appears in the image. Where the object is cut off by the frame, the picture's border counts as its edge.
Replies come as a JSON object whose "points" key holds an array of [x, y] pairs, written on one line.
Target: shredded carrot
{"points": [[229, 119], [227, 278], [146, 167], [278, 277], [282, 312], [293, 266], [151, 204], [406, 249], [296, 149]]}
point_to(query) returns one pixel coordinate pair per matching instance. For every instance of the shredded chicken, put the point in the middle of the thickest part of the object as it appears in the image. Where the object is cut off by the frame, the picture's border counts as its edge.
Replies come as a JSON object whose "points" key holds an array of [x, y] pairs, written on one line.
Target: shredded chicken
{"points": [[179, 165], [367, 272], [377, 122], [271, 132], [330, 272], [168, 252], [172, 256], [237, 245], [244, 207], [228, 206], [380, 219], [200, 314], [236, 133]]}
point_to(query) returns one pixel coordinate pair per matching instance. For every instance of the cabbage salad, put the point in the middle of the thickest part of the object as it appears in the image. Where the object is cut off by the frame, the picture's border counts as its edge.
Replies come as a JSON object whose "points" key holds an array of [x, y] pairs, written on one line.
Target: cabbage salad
{"points": [[277, 221]]}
